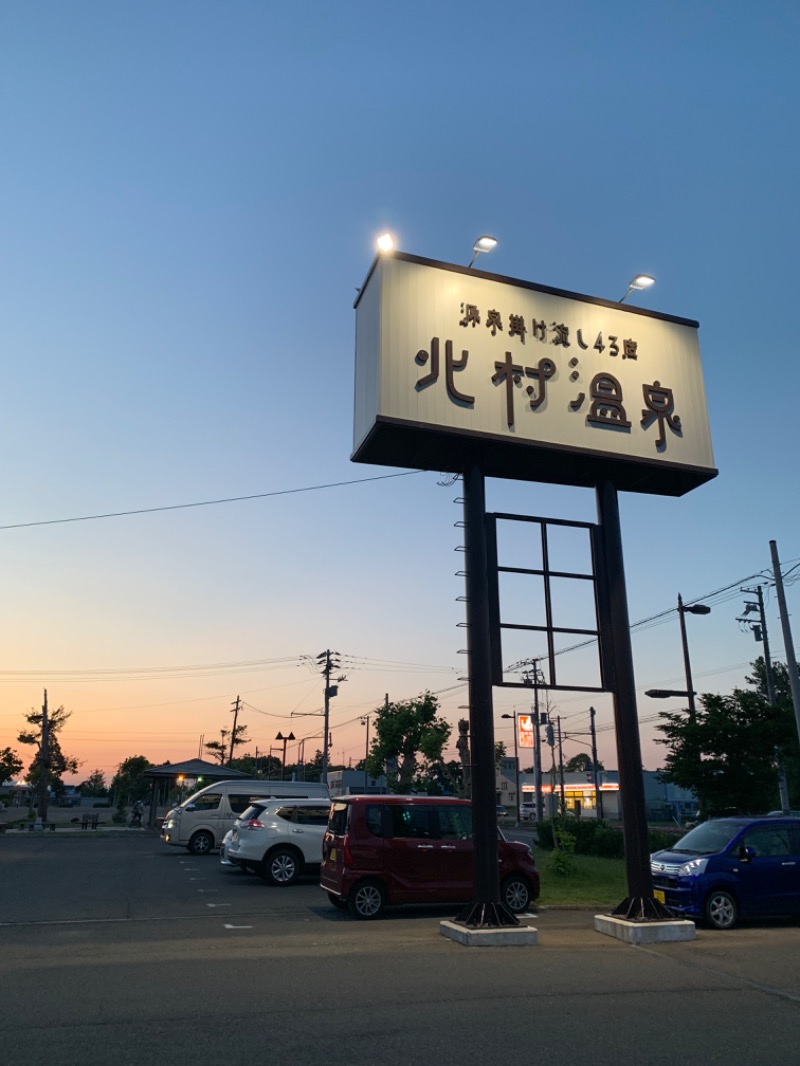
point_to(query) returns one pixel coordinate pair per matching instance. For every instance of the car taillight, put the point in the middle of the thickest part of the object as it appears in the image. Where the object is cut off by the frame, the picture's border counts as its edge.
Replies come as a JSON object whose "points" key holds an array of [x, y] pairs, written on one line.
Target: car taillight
{"points": [[346, 853], [253, 824]]}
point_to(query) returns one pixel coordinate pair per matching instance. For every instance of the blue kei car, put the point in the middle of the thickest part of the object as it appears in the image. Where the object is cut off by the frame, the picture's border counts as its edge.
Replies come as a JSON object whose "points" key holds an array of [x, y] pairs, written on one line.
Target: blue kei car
{"points": [[731, 868]]}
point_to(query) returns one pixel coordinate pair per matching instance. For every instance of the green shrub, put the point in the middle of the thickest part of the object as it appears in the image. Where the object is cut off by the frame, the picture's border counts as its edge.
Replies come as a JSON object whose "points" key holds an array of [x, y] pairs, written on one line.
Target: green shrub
{"points": [[607, 842], [661, 839], [561, 864], [592, 837]]}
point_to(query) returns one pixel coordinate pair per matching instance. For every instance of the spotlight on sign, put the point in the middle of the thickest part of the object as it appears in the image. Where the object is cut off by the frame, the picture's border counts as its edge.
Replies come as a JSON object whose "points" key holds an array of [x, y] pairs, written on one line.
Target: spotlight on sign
{"points": [[483, 244], [385, 242], [641, 281]]}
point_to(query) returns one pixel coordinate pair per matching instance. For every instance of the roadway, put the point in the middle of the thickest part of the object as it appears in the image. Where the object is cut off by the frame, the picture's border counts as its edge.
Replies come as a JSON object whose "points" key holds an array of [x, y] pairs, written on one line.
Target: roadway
{"points": [[116, 948]]}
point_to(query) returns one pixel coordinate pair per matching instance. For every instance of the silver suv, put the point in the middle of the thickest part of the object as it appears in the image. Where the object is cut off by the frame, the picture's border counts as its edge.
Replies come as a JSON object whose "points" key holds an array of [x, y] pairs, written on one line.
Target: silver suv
{"points": [[280, 838]]}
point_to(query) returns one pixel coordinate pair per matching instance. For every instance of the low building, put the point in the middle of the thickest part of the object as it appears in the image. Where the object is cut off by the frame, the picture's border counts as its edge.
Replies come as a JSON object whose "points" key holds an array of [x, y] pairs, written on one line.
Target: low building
{"points": [[355, 783], [664, 801]]}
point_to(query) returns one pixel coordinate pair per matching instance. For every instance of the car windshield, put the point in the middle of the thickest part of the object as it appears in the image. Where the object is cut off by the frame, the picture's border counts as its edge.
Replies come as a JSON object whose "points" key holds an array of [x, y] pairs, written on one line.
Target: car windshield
{"points": [[708, 838]]}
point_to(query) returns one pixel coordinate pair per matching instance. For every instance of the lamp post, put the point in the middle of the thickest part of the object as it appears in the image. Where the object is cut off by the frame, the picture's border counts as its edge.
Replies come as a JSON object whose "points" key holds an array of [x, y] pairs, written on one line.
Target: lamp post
{"points": [[683, 609], [285, 740], [688, 693], [516, 757], [666, 693]]}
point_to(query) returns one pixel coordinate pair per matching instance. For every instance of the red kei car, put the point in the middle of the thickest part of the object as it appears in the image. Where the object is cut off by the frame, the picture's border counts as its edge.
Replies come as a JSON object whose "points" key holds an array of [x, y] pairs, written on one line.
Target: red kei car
{"points": [[384, 850]]}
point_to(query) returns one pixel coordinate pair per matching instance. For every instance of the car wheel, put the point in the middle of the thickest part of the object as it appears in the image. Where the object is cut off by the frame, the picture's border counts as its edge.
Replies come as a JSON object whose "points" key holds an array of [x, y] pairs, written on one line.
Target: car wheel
{"points": [[281, 867], [337, 901], [201, 843], [367, 900], [515, 892], [721, 910]]}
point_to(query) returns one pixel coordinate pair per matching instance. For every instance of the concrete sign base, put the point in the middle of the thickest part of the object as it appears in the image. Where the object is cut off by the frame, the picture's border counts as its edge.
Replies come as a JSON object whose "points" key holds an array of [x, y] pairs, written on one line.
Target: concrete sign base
{"points": [[644, 932], [514, 936]]}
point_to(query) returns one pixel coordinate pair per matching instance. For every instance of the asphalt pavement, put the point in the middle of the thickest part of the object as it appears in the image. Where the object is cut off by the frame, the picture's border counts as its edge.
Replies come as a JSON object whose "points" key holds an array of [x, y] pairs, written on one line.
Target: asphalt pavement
{"points": [[115, 948]]}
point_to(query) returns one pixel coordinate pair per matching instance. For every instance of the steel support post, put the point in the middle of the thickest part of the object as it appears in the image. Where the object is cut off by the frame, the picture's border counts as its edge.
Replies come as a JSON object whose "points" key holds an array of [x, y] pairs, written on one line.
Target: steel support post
{"points": [[486, 910], [615, 630]]}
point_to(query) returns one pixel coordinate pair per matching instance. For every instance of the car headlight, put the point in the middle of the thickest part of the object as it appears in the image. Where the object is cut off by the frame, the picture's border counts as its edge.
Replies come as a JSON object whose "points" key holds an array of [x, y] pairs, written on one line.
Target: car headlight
{"points": [[692, 868]]}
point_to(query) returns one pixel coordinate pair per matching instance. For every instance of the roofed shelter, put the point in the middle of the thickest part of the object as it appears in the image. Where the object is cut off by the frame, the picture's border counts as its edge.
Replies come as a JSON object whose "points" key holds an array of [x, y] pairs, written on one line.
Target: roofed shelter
{"points": [[164, 777]]}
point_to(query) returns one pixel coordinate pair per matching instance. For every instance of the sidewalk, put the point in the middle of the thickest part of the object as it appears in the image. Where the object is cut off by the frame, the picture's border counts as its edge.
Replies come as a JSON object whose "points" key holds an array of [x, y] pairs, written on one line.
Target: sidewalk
{"points": [[68, 820]]}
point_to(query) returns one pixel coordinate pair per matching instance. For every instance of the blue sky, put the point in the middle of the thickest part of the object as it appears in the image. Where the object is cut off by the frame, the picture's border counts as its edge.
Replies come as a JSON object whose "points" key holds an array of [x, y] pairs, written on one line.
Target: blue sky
{"points": [[192, 192]]}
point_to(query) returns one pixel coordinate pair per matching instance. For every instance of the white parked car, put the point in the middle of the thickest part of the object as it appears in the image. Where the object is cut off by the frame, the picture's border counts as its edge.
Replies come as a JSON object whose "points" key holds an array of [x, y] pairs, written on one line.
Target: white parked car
{"points": [[280, 839], [223, 851]]}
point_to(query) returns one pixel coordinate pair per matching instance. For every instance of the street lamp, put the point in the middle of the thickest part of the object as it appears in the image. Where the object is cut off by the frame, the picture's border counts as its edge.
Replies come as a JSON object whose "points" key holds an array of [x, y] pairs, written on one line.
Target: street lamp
{"points": [[482, 244], [285, 740], [637, 283], [688, 693], [692, 608], [516, 758]]}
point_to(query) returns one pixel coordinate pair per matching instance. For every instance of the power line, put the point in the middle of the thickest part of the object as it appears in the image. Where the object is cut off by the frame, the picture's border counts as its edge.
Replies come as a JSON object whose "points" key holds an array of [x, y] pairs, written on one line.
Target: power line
{"points": [[208, 503]]}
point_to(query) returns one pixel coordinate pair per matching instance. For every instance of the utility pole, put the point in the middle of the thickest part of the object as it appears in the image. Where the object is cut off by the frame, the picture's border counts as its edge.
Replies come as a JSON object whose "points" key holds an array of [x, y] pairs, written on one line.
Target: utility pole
{"points": [[561, 766], [532, 676], [760, 633], [551, 743], [462, 746], [328, 662], [537, 762], [233, 731], [365, 721], [598, 795], [791, 655], [44, 762]]}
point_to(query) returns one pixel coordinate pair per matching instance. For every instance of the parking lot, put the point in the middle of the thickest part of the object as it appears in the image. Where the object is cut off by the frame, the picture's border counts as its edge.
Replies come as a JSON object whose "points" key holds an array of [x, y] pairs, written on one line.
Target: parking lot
{"points": [[117, 948]]}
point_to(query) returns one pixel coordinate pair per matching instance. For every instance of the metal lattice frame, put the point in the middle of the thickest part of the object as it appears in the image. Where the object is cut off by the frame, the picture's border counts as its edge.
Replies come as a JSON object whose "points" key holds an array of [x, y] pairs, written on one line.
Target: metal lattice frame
{"points": [[550, 630]]}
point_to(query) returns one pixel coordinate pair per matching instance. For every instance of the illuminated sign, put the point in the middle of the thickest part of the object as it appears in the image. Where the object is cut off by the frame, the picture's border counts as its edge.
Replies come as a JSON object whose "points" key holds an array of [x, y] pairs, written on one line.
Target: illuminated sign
{"points": [[533, 383], [525, 730]]}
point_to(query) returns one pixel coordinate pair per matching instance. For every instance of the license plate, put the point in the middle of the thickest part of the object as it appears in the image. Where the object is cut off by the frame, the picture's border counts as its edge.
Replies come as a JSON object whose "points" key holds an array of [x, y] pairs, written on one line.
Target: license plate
{"points": [[659, 895], [333, 855]]}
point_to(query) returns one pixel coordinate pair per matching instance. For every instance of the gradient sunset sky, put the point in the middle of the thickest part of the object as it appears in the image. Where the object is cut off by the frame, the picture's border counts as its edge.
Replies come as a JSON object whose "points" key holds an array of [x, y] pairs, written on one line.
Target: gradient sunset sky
{"points": [[192, 193]]}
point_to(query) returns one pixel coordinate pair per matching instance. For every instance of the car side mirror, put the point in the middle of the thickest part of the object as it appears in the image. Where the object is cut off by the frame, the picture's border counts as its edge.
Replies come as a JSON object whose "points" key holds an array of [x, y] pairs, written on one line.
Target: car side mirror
{"points": [[190, 807], [746, 854]]}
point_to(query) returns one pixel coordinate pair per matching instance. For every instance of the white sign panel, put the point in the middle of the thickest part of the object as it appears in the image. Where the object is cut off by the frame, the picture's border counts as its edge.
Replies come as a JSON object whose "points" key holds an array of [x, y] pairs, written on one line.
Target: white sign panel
{"points": [[531, 382]]}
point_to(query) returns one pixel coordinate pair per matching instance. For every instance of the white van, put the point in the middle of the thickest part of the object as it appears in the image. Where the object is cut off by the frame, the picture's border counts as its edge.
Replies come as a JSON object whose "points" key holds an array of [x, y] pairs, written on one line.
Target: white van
{"points": [[202, 820]]}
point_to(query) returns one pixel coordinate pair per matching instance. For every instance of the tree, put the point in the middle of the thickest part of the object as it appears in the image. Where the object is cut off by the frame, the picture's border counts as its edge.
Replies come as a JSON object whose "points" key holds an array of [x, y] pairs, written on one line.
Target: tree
{"points": [[442, 779], [94, 785], [408, 737], [729, 755], [222, 748], [581, 763], [49, 776], [129, 783], [10, 765], [263, 766]]}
